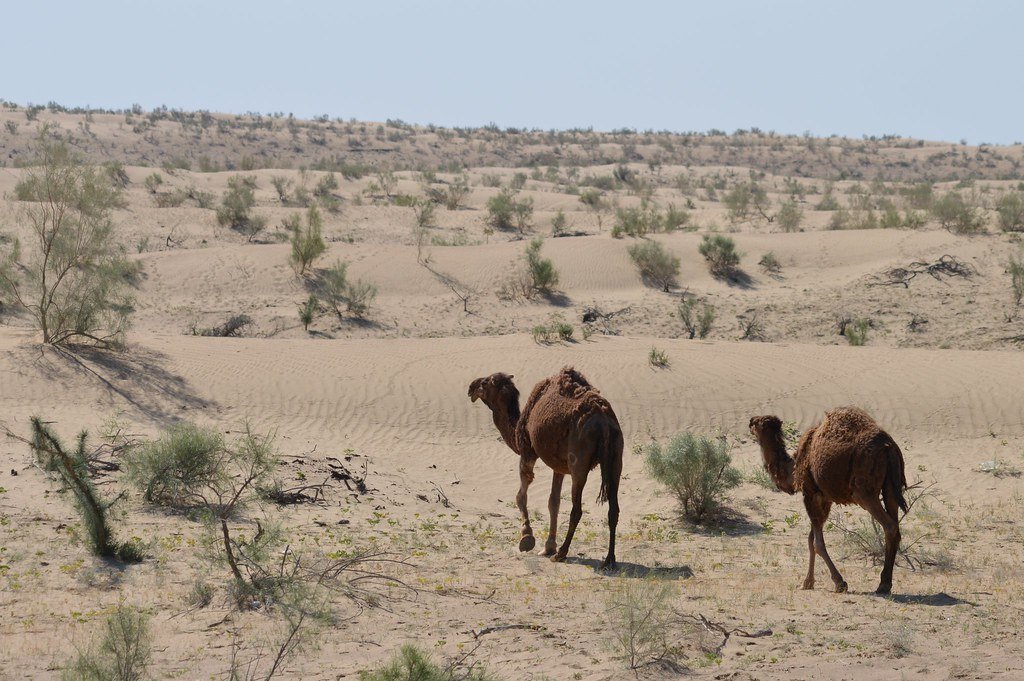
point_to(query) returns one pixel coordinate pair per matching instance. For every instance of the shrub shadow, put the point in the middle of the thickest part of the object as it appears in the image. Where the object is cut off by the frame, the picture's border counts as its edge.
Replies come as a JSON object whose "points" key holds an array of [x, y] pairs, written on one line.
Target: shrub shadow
{"points": [[727, 522]]}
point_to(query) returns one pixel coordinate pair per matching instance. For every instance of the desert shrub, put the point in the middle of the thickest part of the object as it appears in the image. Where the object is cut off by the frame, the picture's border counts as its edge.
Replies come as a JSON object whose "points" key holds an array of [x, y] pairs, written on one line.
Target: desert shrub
{"points": [[1010, 208], [307, 244], [281, 186], [696, 469], [636, 222], [541, 334], [737, 202], [518, 181], [564, 331], [720, 253], [769, 263], [458, 190], [72, 469], [592, 198], [546, 334], [170, 199], [674, 218], [116, 174], [235, 207], [558, 223], [174, 469], [543, 275], [122, 654], [656, 264], [751, 326], [506, 211], [490, 180], [701, 325], [71, 281], [640, 620], [828, 201], [153, 182], [231, 327], [342, 295], [657, 358], [1015, 268], [790, 216], [413, 664], [955, 214], [324, 193], [856, 332]]}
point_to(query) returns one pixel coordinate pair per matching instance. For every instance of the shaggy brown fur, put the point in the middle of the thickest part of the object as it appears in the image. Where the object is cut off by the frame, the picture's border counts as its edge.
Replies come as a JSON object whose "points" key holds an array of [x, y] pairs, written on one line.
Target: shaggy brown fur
{"points": [[568, 425], [845, 459]]}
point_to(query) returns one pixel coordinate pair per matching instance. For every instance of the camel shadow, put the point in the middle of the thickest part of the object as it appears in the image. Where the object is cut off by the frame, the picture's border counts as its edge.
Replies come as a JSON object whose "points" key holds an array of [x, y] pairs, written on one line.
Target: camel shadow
{"points": [[138, 377], [634, 570], [941, 599]]}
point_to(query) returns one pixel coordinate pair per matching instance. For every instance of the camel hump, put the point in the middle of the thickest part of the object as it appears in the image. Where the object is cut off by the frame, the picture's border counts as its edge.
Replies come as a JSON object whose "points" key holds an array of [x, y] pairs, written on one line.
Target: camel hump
{"points": [[573, 384], [849, 423]]}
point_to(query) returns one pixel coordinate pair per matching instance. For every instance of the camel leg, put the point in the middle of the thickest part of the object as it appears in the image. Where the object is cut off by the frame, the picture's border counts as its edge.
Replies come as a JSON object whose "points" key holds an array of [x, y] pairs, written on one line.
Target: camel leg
{"points": [[809, 580], [890, 523], [613, 514], [818, 509], [526, 541], [579, 480], [554, 501]]}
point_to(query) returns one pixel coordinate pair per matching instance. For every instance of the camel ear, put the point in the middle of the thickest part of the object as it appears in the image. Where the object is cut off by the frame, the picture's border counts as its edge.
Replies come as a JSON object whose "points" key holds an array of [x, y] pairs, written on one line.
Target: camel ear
{"points": [[510, 377]]}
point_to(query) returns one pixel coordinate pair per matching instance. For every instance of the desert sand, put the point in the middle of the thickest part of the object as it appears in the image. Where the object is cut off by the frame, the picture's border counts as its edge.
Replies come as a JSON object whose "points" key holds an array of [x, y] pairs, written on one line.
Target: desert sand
{"points": [[388, 393]]}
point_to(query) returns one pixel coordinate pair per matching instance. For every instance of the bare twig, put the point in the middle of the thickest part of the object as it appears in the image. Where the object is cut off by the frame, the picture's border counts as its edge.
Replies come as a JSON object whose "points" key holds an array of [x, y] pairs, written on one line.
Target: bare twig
{"points": [[947, 266]]}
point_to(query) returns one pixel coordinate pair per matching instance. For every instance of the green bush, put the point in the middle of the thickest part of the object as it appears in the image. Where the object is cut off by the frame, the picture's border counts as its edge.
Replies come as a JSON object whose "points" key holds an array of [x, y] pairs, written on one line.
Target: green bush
{"points": [[236, 204], [657, 358], [769, 263], [656, 264], [345, 296], [1010, 208], [543, 275], [697, 470], [1015, 268], [856, 331], [307, 311], [307, 244], [720, 253], [123, 654], [153, 182], [790, 216], [174, 470], [700, 326], [640, 619], [955, 214], [413, 664], [558, 223], [506, 211]]}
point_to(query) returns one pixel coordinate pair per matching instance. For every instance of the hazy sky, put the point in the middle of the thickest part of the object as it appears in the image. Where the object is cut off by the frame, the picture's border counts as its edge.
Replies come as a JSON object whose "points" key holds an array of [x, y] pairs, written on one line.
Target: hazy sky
{"points": [[937, 70]]}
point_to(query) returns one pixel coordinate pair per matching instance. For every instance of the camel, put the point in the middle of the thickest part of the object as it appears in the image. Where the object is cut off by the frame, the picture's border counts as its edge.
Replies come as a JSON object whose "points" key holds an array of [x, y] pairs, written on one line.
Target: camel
{"points": [[845, 459], [570, 427]]}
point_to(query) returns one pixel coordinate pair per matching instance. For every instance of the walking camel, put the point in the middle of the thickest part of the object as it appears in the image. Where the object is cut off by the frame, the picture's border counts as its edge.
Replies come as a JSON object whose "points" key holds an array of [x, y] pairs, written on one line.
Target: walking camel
{"points": [[845, 459], [568, 425]]}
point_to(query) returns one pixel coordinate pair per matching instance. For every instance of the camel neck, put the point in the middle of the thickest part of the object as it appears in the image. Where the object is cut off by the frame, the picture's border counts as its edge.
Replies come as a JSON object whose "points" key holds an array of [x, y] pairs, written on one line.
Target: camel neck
{"points": [[779, 463], [505, 419]]}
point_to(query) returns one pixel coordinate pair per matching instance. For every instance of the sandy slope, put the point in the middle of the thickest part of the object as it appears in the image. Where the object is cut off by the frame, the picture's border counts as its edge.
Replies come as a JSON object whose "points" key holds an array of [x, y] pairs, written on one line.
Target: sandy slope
{"points": [[402, 405]]}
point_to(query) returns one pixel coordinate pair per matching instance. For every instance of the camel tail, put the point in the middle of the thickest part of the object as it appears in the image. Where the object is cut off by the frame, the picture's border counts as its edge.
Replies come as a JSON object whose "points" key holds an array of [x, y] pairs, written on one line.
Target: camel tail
{"points": [[611, 445], [895, 476]]}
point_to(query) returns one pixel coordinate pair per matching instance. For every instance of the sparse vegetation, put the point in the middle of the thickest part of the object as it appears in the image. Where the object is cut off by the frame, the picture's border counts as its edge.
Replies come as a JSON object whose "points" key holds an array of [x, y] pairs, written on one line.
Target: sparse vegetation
{"points": [[1010, 209], [342, 295], [123, 653], [697, 470], [957, 214], [543, 275], [507, 211], [699, 326], [307, 244], [856, 331], [413, 664], [639, 615], [769, 263], [236, 206], [658, 359]]}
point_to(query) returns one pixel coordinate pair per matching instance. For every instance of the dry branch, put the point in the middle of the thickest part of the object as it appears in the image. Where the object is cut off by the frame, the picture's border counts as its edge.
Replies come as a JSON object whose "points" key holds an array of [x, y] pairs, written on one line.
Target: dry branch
{"points": [[947, 266]]}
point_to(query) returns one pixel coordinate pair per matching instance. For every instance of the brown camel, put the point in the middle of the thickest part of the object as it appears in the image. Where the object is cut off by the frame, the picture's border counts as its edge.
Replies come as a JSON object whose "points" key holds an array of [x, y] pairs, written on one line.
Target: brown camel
{"points": [[570, 427], [845, 459]]}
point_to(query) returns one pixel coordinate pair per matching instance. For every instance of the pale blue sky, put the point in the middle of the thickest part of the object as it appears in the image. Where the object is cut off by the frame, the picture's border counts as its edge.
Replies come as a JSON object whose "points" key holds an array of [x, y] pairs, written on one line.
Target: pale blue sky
{"points": [[937, 70]]}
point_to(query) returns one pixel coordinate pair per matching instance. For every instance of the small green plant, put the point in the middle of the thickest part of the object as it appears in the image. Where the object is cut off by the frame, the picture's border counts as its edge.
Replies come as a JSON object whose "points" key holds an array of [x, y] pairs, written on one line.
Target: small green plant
{"points": [[657, 265], [640, 619], [856, 331], [342, 295], [720, 253], [769, 263], [1015, 268], [153, 182], [559, 223], [697, 470], [413, 664], [307, 311], [957, 214], [700, 325], [173, 470], [123, 654], [72, 468], [543, 275], [657, 358], [307, 244]]}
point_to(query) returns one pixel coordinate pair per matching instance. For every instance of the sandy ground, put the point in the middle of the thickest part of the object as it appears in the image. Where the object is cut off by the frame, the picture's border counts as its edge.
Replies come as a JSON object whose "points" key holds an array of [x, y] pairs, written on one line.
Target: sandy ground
{"points": [[389, 392]]}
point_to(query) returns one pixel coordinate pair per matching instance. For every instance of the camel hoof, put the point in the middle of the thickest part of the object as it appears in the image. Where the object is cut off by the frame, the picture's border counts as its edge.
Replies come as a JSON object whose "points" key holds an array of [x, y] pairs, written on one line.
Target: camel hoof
{"points": [[608, 564], [884, 589], [547, 551], [558, 558], [808, 585], [527, 542], [841, 588]]}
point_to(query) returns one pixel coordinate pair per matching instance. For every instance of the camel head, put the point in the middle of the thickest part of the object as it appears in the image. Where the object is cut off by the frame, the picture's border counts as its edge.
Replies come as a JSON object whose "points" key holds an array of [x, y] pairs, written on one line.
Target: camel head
{"points": [[493, 389], [765, 424]]}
